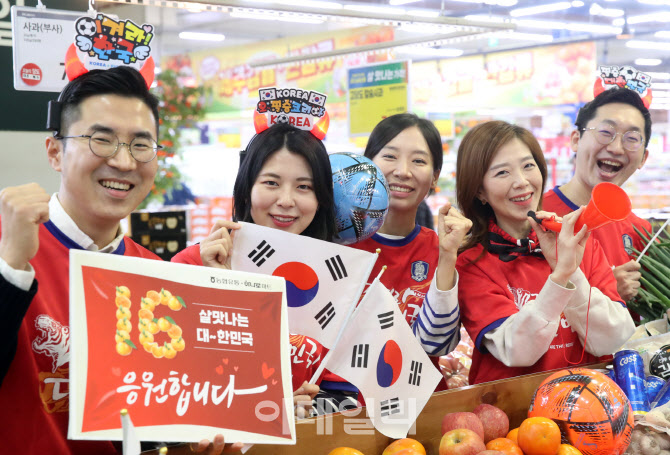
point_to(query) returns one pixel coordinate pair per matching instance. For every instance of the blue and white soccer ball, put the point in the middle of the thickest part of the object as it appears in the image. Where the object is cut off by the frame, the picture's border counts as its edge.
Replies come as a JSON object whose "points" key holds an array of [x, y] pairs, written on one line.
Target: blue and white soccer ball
{"points": [[361, 197]]}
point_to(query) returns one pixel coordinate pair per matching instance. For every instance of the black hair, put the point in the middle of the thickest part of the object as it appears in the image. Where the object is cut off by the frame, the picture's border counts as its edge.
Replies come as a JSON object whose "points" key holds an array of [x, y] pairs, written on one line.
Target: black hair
{"points": [[614, 95], [391, 126], [302, 143], [121, 80]]}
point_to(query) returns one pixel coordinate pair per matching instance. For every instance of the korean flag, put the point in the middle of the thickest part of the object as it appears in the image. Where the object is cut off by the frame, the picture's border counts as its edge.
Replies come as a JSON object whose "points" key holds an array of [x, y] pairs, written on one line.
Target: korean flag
{"points": [[267, 94], [323, 279], [317, 98], [379, 354]]}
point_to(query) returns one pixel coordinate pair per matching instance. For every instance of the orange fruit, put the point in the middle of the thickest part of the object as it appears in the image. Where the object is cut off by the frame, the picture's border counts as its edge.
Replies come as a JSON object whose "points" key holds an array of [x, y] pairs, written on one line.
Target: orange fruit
{"points": [[174, 332], [123, 348], [121, 335], [146, 337], [157, 351], [174, 304], [122, 300], [123, 313], [539, 436], [513, 435], [345, 451], [401, 446], [149, 346], [147, 304], [164, 324], [145, 313], [124, 324], [504, 445], [165, 296], [155, 296], [567, 449], [123, 290], [178, 344], [169, 351]]}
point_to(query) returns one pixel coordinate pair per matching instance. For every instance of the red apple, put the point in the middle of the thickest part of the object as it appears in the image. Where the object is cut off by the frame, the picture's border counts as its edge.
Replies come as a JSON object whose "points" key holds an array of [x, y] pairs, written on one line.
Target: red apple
{"points": [[461, 442], [494, 420], [467, 420]]}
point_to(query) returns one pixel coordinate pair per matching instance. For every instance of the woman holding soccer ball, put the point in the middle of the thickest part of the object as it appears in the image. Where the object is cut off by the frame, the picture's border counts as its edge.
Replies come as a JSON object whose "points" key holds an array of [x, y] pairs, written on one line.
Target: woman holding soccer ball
{"points": [[421, 271], [532, 300]]}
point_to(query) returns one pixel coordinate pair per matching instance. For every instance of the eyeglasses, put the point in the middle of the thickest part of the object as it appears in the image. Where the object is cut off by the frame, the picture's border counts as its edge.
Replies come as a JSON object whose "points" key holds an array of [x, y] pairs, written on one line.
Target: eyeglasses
{"points": [[105, 145], [606, 133]]}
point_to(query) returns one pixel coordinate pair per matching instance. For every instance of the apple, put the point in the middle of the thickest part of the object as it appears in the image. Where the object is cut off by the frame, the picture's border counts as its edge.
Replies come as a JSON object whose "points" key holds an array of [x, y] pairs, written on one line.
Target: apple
{"points": [[461, 442], [467, 420], [494, 420], [491, 452]]}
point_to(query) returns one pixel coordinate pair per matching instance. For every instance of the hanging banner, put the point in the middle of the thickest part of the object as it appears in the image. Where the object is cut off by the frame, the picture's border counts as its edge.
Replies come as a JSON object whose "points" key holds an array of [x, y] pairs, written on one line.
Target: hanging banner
{"points": [[235, 83], [189, 351], [376, 92], [543, 76]]}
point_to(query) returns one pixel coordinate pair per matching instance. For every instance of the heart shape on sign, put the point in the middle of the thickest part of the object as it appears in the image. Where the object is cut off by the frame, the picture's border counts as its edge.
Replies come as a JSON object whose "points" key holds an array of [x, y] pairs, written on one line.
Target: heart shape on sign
{"points": [[267, 372], [225, 361], [219, 369]]}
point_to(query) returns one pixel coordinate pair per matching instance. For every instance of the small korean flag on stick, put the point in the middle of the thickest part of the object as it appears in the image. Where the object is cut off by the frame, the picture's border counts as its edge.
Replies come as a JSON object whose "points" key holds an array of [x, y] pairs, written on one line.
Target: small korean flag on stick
{"points": [[267, 94], [323, 280], [317, 98], [380, 355]]}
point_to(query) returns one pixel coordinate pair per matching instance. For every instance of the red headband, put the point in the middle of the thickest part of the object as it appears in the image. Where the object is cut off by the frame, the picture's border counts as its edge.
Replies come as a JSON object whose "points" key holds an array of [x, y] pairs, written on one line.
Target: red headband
{"points": [[624, 77], [74, 67]]}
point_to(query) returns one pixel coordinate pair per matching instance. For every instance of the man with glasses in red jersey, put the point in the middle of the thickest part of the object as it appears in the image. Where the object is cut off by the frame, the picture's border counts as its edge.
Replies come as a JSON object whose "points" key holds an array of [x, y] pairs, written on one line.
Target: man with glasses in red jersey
{"points": [[105, 125], [610, 143]]}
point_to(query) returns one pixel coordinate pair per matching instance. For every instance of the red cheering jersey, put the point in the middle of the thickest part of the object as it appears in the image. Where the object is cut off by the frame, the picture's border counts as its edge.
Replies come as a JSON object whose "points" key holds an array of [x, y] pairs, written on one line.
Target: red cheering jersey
{"points": [[491, 290], [617, 239], [35, 392]]}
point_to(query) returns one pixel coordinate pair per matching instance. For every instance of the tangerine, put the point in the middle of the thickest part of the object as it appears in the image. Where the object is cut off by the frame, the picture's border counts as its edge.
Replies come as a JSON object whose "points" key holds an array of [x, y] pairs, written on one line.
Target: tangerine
{"points": [[147, 304], [539, 436], [165, 296], [174, 304], [145, 313], [123, 290], [402, 445], [567, 449], [164, 324], [345, 451], [122, 300], [154, 296], [504, 445], [513, 435], [124, 324], [122, 312], [174, 332], [178, 344], [123, 348], [121, 335]]}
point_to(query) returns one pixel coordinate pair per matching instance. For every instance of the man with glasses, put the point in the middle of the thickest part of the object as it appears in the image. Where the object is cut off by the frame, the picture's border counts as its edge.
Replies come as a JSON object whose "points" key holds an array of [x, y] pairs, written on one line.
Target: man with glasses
{"points": [[104, 145], [610, 143]]}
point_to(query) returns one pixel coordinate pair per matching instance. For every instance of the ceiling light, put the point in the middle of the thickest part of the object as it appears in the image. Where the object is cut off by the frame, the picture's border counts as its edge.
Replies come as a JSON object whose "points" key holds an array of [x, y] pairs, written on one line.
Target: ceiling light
{"points": [[423, 28], [655, 2], [597, 10], [574, 26], [660, 94], [402, 2], [423, 13], [376, 9], [430, 51], [491, 2], [661, 86], [309, 3], [485, 18], [577, 4], [643, 44], [656, 76], [526, 36], [648, 61], [283, 17], [660, 16], [662, 34], [202, 36], [539, 9]]}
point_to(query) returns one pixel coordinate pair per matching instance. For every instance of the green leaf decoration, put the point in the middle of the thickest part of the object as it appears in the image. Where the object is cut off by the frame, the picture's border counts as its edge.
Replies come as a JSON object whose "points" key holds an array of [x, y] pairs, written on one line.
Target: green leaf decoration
{"points": [[183, 304]]}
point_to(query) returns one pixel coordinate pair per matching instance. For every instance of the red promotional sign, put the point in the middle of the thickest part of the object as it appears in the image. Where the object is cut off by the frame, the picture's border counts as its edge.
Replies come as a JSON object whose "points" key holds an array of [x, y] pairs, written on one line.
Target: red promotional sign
{"points": [[175, 352]]}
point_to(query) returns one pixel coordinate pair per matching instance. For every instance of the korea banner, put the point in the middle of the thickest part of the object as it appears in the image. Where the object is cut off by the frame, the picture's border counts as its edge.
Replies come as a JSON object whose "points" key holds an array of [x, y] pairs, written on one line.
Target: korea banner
{"points": [[323, 280], [188, 351], [380, 355]]}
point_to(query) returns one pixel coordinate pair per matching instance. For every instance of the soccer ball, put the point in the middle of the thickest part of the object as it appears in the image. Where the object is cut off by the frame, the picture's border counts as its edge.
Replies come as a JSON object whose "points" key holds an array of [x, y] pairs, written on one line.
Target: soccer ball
{"points": [[361, 197], [591, 410], [86, 26], [282, 118]]}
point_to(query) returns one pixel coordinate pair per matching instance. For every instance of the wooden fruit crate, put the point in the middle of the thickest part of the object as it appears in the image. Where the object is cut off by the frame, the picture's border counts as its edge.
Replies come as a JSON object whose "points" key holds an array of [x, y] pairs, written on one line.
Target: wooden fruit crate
{"points": [[319, 435]]}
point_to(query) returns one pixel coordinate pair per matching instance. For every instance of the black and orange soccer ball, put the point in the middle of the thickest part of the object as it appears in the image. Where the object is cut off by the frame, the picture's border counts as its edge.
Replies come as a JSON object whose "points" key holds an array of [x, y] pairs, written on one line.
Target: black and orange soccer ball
{"points": [[591, 410]]}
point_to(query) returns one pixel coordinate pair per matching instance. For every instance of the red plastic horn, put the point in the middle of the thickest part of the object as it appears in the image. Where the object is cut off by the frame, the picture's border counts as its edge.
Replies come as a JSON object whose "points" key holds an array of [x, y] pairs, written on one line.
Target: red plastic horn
{"points": [[75, 68], [608, 203]]}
